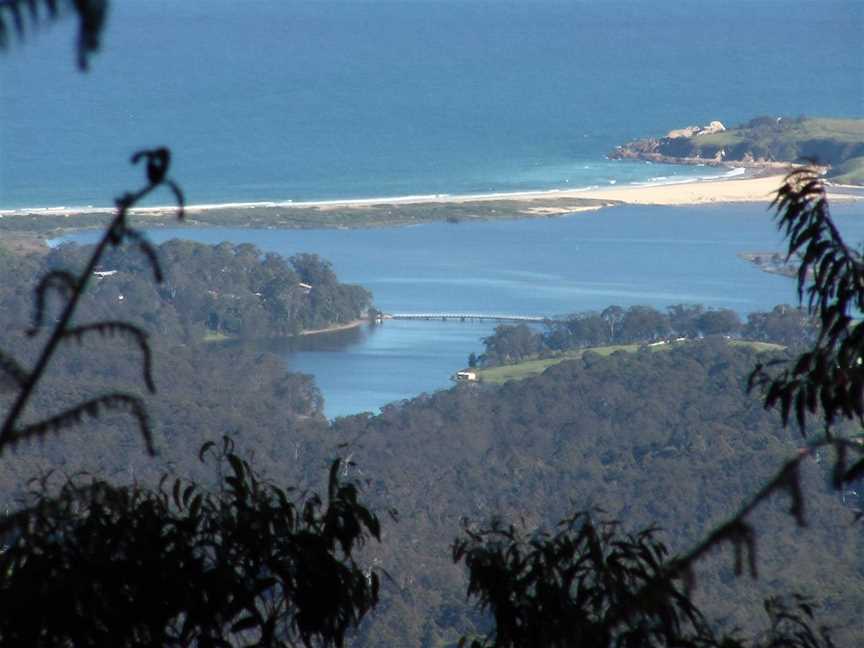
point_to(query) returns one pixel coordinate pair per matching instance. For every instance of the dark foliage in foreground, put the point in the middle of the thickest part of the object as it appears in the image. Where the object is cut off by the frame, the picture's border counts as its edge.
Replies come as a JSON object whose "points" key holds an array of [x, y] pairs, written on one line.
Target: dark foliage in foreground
{"points": [[571, 587], [252, 564], [557, 590]]}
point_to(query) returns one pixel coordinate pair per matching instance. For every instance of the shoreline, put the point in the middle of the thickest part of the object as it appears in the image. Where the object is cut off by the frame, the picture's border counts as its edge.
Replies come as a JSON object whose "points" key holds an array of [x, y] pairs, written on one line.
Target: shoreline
{"points": [[396, 211], [333, 328], [752, 188], [210, 337]]}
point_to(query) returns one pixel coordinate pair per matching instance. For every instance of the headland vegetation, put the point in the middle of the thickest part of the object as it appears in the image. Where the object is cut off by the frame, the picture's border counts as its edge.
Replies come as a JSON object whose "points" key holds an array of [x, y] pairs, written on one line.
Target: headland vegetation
{"points": [[763, 143], [210, 293]]}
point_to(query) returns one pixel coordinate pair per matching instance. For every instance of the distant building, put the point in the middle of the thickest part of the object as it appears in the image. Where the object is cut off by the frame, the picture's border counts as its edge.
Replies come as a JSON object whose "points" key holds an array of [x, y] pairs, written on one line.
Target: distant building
{"points": [[462, 376]]}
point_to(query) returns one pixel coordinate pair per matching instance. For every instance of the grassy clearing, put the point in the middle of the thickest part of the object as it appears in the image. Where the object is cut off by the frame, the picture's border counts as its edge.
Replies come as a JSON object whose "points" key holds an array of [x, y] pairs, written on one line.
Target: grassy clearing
{"points": [[847, 131], [837, 142], [528, 368]]}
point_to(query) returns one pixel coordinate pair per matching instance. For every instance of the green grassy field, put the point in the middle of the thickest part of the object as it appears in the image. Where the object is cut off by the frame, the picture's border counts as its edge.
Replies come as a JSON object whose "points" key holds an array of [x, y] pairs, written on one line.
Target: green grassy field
{"points": [[847, 131], [757, 346], [528, 368]]}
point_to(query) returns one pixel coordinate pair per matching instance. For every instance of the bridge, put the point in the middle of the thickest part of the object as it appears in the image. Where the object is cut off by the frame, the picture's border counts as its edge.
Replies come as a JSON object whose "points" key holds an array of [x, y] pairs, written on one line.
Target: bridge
{"points": [[466, 317]]}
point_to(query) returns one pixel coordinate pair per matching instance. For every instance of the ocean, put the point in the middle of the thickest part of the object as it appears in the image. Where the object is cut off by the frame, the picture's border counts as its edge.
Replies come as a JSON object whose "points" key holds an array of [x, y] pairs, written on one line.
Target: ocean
{"points": [[274, 100]]}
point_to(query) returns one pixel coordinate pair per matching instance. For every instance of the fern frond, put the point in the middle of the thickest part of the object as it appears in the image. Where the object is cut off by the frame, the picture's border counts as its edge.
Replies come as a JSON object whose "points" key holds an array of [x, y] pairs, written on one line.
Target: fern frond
{"points": [[27, 15], [831, 375], [148, 250], [93, 408], [157, 162], [63, 282], [179, 197], [111, 328], [12, 369]]}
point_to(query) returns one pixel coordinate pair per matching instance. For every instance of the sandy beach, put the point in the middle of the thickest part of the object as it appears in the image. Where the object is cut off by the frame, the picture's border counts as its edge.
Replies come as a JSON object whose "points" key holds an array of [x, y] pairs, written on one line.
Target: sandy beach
{"points": [[761, 189], [695, 193], [526, 203]]}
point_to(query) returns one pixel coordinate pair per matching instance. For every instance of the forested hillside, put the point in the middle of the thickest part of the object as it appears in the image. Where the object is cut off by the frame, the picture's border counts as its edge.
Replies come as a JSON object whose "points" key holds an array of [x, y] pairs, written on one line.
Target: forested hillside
{"points": [[784, 325], [669, 439], [227, 289], [203, 390]]}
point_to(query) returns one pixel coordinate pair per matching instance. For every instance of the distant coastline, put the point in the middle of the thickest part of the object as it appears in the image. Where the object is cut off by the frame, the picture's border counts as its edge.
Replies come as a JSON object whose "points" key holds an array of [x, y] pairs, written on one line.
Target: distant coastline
{"points": [[394, 211]]}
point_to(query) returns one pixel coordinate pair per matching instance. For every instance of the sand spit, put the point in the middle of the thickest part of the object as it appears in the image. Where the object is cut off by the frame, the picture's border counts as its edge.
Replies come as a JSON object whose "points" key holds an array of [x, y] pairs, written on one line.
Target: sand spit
{"points": [[525, 203]]}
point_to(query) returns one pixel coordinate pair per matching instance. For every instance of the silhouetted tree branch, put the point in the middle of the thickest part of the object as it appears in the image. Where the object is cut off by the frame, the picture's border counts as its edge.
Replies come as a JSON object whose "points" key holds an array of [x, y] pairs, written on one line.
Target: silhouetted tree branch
{"points": [[70, 289]]}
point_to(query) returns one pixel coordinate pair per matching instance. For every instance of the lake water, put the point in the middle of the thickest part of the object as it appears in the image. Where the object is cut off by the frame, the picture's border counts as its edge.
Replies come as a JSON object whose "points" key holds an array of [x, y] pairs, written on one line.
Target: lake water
{"points": [[625, 255], [301, 100]]}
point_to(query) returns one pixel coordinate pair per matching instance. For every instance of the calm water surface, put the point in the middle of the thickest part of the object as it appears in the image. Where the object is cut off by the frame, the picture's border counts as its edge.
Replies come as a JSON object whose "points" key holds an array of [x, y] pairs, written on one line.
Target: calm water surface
{"points": [[274, 100], [626, 255]]}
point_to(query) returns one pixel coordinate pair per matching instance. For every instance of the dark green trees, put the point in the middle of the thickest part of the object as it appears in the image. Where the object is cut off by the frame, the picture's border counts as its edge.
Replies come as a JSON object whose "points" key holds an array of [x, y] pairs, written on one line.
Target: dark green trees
{"points": [[251, 564], [591, 585], [586, 587], [565, 589]]}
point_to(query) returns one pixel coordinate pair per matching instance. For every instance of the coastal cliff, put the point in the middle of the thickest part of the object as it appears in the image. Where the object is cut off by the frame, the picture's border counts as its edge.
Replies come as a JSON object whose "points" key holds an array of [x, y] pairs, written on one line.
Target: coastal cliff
{"points": [[761, 143]]}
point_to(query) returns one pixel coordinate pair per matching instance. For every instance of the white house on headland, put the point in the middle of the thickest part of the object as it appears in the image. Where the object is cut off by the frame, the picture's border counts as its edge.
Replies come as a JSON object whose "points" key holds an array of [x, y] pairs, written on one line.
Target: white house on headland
{"points": [[465, 375]]}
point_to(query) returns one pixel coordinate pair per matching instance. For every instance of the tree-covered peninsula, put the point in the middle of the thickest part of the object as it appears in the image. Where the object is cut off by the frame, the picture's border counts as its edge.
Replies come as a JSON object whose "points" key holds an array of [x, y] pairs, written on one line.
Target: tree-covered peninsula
{"points": [[209, 290]]}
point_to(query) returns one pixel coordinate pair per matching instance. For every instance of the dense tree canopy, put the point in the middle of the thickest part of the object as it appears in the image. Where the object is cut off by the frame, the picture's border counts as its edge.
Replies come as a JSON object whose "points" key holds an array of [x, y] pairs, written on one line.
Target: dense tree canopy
{"points": [[225, 288], [252, 564], [785, 325]]}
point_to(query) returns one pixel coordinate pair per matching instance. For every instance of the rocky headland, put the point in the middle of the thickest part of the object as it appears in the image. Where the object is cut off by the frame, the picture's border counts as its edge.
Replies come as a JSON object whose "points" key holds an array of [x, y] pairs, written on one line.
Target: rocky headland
{"points": [[767, 144]]}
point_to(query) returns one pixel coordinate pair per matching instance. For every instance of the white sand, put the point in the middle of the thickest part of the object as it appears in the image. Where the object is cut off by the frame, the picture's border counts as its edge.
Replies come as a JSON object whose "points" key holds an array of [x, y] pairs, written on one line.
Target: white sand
{"points": [[760, 190]]}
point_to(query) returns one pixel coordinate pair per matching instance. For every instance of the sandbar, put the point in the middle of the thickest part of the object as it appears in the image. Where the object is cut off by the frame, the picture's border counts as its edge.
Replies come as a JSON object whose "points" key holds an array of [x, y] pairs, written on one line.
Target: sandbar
{"points": [[417, 209], [762, 190], [696, 192]]}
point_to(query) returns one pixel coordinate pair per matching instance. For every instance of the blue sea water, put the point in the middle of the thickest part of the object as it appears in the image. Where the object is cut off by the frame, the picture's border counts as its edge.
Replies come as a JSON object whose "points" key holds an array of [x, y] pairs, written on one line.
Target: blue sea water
{"points": [[274, 100]]}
